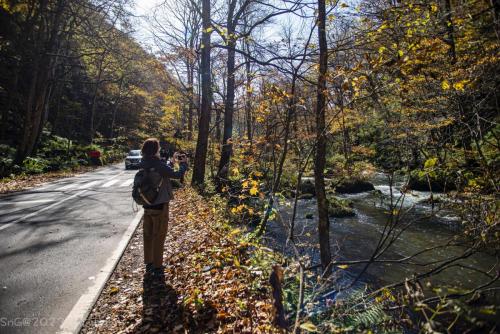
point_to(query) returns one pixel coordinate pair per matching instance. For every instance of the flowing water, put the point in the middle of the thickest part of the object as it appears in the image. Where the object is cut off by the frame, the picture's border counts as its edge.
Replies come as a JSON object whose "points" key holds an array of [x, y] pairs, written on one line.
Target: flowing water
{"points": [[355, 238]]}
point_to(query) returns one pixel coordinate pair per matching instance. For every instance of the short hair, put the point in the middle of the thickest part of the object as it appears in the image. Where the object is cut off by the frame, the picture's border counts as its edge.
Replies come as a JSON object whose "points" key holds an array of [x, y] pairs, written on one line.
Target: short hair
{"points": [[150, 147]]}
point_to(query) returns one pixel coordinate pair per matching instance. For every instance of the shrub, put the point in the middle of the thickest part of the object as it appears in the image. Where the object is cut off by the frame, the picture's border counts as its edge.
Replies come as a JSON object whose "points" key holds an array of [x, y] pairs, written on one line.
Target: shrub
{"points": [[35, 165], [6, 159]]}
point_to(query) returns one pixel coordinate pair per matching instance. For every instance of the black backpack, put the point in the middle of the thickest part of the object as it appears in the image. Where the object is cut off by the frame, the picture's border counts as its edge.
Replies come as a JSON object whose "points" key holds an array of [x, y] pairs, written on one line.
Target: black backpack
{"points": [[147, 183]]}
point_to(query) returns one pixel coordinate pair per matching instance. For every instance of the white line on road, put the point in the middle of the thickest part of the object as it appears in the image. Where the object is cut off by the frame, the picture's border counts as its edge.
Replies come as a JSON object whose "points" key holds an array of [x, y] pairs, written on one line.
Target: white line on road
{"points": [[109, 184], [66, 187], [127, 183], [3, 227], [87, 185], [80, 311]]}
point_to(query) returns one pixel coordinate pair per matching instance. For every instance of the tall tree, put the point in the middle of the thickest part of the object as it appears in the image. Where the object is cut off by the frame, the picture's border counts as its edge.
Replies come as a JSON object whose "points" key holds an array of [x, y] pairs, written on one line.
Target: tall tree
{"points": [[320, 156], [176, 32], [42, 32], [206, 98], [234, 15]]}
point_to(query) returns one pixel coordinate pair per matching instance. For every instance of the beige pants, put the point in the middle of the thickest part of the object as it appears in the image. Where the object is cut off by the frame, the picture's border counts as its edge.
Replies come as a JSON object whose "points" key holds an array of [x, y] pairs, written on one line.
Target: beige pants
{"points": [[155, 228]]}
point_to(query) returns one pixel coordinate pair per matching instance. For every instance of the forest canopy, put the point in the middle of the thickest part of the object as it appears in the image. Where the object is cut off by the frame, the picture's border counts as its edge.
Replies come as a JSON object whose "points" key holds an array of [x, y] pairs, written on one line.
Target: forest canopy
{"points": [[71, 69]]}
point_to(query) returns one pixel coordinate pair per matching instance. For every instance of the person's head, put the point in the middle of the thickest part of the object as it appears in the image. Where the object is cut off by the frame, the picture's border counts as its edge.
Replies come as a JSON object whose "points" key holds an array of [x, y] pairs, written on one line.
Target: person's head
{"points": [[150, 148]]}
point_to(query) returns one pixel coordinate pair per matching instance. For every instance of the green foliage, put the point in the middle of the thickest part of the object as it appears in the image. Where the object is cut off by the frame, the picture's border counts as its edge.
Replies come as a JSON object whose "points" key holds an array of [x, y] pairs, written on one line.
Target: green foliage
{"points": [[357, 313], [34, 165], [429, 163], [6, 160], [57, 153], [368, 317]]}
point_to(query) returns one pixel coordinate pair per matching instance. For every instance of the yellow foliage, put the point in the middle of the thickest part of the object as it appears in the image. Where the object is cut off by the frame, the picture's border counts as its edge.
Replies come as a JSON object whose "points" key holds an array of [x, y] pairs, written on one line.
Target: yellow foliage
{"points": [[445, 85], [254, 191], [460, 86]]}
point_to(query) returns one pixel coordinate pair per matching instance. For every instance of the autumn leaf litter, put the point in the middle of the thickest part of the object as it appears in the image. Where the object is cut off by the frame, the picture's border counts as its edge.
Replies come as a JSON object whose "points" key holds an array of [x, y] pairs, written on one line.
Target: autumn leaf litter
{"points": [[211, 283]]}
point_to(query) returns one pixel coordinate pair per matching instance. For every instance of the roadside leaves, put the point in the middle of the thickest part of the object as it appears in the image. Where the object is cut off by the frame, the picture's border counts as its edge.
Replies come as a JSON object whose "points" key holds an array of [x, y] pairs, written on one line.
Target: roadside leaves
{"points": [[210, 284]]}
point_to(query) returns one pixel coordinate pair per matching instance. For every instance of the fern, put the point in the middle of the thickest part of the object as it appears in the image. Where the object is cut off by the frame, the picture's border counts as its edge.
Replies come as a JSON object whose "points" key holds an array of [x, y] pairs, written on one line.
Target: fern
{"points": [[369, 317]]}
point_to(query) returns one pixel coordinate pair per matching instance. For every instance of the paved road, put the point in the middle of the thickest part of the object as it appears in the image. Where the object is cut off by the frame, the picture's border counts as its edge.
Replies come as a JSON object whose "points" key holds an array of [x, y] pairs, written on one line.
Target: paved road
{"points": [[54, 240]]}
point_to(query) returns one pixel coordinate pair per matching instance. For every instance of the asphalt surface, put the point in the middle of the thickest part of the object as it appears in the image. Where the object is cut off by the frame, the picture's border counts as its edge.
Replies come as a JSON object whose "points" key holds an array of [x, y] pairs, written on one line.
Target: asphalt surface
{"points": [[54, 240]]}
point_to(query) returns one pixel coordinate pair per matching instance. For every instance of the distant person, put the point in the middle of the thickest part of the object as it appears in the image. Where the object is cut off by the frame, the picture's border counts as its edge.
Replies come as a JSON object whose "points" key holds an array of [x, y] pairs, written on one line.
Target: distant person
{"points": [[155, 199], [95, 157]]}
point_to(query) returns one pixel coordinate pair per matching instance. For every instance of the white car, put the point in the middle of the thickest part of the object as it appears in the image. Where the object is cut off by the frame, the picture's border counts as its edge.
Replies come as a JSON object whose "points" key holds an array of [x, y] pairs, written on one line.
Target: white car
{"points": [[133, 159]]}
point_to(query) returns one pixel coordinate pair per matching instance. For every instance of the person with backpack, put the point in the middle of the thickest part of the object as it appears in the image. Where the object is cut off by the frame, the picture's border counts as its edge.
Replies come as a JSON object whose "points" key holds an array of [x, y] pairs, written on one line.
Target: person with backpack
{"points": [[152, 189]]}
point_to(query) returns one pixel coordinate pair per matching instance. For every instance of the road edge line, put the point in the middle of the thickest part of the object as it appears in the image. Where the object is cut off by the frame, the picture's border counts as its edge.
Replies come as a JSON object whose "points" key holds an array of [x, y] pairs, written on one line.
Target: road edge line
{"points": [[78, 315]]}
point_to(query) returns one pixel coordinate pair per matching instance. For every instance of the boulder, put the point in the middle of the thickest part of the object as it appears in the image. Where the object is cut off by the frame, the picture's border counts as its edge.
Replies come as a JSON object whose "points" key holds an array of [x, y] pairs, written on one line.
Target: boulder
{"points": [[307, 186], [340, 212], [354, 187], [422, 184]]}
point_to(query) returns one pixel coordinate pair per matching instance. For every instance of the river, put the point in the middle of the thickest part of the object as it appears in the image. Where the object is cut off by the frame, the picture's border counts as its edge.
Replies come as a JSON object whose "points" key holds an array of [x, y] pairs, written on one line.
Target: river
{"points": [[354, 238]]}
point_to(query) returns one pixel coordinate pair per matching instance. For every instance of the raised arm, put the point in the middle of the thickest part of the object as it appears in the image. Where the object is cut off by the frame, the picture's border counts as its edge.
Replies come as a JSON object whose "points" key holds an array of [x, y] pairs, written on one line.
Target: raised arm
{"points": [[167, 171]]}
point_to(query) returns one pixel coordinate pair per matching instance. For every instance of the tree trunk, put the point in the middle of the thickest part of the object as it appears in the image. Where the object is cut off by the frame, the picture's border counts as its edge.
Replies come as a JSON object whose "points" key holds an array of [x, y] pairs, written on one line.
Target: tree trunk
{"points": [[218, 134], [345, 134], [450, 30], [91, 115], [248, 101], [115, 109], [227, 146], [320, 158], [43, 119], [42, 64], [191, 101], [206, 99]]}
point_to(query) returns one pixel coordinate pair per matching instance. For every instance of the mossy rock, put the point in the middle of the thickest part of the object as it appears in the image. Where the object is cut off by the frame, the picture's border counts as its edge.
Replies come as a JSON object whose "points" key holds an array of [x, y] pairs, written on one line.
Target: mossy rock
{"points": [[354, 186], [440, 183], [340, 208], [340, 212]]}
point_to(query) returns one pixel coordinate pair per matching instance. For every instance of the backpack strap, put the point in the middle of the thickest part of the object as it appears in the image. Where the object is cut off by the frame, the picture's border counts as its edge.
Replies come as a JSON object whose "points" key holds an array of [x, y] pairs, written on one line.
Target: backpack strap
{"points": [[144, 197]]}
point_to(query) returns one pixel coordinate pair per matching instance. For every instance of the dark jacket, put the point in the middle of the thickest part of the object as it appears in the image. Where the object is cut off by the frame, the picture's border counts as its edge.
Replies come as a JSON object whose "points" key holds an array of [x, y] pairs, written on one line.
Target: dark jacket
{"points": [[165, 194]]}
